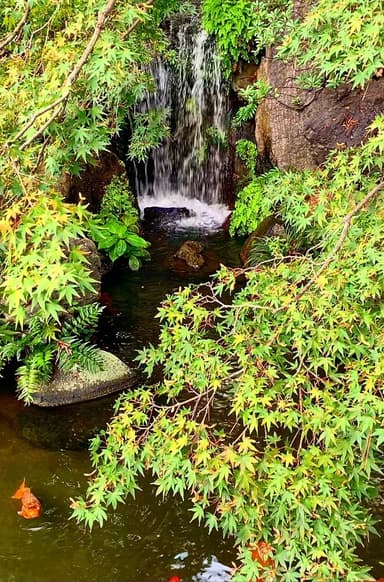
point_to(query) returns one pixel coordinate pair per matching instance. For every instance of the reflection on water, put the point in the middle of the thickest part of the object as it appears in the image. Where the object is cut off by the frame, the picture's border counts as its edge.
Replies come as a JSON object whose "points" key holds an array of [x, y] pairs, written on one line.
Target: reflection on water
{"points": [[128, 322], [146, 539]]}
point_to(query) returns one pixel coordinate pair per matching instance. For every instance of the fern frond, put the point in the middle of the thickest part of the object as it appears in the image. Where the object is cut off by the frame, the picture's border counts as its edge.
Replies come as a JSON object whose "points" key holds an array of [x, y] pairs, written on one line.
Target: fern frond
{"points": [[79, 353], [40, 329], [83, 322], [36, 370]]}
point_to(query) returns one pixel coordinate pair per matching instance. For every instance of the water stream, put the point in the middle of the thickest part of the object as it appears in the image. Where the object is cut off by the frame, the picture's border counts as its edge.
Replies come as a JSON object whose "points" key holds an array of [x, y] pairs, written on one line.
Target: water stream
{"points": [[190, 168]]}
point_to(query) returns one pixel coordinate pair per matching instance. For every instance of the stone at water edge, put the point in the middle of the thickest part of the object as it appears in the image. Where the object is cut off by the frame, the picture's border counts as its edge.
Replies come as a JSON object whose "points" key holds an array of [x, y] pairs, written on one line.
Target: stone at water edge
{"points": [[270, 227], [190, 252], [80, 385]]}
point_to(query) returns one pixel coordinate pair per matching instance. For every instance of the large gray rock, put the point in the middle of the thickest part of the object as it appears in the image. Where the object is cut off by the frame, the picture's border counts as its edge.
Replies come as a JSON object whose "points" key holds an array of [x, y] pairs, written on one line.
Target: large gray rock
{"points": [[80, 385]]}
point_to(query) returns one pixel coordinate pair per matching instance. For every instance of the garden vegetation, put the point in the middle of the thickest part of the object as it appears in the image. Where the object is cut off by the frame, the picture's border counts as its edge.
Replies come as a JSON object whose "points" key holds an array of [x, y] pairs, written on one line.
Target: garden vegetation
{"points": [[291, 345]]}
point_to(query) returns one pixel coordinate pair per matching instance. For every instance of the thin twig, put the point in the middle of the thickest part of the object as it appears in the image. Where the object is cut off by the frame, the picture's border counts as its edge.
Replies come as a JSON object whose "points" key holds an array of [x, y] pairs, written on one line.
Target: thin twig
{"points": [[103, 15], [35, 117], [18, 174], [12, 35], [60, 103], [137, 21], [45, 126]]}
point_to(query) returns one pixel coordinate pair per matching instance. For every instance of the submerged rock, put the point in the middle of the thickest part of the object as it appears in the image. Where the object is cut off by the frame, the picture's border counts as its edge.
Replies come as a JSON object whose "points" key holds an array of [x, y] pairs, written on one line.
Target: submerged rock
{"points": [[190, 252], [80, 385]]}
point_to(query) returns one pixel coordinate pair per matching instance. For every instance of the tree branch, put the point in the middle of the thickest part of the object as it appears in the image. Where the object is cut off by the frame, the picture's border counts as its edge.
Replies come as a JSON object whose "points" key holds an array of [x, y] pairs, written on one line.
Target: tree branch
{"points": [[347, 221], [9, 38], [34, 117], [138, 20], [60, 103], [103, 15]]}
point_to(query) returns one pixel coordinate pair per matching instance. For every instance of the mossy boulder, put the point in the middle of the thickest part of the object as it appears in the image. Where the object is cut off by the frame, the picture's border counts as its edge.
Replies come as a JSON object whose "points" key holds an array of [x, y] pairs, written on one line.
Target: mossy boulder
{"points": [[80, 385]]}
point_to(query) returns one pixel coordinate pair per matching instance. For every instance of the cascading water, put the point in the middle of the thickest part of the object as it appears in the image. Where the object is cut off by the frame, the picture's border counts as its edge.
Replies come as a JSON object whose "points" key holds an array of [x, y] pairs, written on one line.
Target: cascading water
{"points": [[189, 169]]}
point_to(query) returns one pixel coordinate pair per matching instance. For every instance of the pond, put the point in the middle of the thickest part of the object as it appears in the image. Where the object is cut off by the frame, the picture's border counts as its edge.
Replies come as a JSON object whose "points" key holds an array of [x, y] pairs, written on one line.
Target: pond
{"points": [[147, 539]]}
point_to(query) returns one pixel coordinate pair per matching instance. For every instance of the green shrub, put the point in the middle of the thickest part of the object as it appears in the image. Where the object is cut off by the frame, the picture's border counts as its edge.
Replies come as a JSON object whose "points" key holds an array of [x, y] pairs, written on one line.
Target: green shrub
{"points": [[39, 310], [115, 228], [243, 27], [252, 95]]}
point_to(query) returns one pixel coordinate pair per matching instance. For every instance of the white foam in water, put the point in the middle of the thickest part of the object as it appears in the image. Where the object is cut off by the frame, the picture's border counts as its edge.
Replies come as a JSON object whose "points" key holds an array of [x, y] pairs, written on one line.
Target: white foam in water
{"points": [[204, 216]]}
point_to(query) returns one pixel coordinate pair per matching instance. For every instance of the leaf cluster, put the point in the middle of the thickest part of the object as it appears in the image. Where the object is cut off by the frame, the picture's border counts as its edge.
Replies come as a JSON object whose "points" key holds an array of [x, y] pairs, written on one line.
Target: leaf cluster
{"points": [[340, 41], [308, 202], [115, 229], [69, 73], [252, 95], [148, 131], [243, 27]]}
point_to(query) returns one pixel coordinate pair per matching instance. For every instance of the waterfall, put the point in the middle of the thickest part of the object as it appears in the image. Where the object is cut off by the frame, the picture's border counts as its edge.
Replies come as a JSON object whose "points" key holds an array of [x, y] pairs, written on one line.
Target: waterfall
{"points": [[189, 168]]}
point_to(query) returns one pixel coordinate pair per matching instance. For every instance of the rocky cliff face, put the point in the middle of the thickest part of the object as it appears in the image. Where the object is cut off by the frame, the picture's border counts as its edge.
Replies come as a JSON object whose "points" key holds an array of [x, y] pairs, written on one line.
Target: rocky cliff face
{"points": [[93, 180], [297, 128]]}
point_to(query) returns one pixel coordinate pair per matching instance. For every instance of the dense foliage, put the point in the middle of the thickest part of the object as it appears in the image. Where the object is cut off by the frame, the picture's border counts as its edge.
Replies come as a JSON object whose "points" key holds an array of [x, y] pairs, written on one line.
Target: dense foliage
{"points": [[69, 72], [300, 369], [291, 348], [242, 28], [339, 41], [43, 276]]}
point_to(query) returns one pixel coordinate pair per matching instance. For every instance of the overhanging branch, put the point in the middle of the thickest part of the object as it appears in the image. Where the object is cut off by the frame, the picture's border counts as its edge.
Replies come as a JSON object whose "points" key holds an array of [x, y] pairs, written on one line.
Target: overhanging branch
{"points": [[347, 221], [12, 35]]}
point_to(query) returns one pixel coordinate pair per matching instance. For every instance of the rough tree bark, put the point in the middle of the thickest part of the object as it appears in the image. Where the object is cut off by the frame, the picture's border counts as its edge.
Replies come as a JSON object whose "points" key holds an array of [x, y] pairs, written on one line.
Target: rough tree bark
{"points": [[297, 128]]}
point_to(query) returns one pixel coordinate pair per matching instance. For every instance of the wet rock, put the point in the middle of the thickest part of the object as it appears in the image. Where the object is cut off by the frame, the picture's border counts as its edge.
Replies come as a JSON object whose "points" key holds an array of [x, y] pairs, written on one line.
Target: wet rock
{"points": [[245, 74], [190, 252], [157, 216], [269, 227], [63, 427], [80, 385], [93, 180]]}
